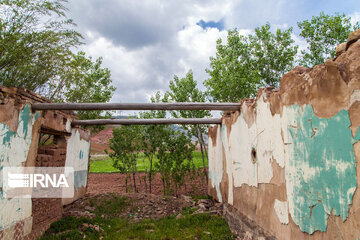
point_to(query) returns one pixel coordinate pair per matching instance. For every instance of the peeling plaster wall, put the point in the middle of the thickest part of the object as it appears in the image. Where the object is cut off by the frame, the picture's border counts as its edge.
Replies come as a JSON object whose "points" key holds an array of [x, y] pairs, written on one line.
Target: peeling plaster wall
{"points": [[291, 157], [14, 149], [245, 172], [77, 157], [19, 137], [321, 167], [215, 163]]}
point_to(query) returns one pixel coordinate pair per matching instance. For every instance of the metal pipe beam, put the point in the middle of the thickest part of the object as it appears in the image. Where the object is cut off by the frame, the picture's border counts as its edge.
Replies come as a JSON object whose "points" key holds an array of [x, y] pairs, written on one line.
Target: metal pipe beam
{"points": [[147, 121], [136, 106]]}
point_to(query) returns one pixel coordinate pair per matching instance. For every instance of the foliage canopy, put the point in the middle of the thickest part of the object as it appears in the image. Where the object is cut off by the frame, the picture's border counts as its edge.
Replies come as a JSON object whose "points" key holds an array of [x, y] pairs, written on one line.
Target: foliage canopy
{"points": [[36, 52], [323, 33], [245, 63]]}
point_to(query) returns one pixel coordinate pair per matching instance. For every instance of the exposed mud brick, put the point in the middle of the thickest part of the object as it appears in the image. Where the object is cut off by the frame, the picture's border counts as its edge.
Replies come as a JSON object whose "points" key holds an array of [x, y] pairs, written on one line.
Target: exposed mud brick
{"points": [[241, 226], [46, 210], [51, 156]]}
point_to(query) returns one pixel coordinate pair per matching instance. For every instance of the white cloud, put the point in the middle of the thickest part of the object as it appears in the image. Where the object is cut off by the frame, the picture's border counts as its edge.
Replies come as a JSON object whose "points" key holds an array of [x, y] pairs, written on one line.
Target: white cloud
{"points": [[301, 43], [144, 43], [355, 17], [199, 44]]}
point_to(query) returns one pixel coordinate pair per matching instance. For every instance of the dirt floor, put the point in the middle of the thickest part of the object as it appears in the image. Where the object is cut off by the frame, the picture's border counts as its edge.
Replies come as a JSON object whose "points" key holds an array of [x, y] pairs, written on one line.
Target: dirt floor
{"points": [[115, 183], [143, 206]]}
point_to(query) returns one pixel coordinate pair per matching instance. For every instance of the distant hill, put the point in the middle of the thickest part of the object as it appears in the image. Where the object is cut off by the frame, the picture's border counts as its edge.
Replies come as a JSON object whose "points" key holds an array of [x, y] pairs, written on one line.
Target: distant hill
{"points": [[100, 141], [122, 117]]}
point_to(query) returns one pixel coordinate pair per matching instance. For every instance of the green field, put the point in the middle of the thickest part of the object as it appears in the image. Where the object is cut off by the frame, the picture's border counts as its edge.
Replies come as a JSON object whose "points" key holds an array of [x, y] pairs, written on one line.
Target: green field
{"points": [[104, 164]]}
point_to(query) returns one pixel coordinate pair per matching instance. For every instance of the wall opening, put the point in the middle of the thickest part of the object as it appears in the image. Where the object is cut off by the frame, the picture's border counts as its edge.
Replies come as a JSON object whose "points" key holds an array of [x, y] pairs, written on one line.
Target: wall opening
{"points": [[253, 155]]}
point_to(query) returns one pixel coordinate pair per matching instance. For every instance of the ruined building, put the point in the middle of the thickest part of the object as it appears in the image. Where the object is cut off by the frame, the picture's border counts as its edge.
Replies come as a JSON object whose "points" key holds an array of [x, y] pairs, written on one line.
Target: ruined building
{"points": [[288, 164], [20, 130]]}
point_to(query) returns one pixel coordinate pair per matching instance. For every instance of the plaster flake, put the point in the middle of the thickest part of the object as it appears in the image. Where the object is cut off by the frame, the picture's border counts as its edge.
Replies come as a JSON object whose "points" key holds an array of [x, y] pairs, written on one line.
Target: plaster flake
{"points": [[277, 143], [77, 152], [355, 96], [263, 141], [281, 209], [14, 210], [229, 162], [269, 141], [14, 148], [68, 125], [216, 163], [320, 167], [243, 140], [77, 156]]}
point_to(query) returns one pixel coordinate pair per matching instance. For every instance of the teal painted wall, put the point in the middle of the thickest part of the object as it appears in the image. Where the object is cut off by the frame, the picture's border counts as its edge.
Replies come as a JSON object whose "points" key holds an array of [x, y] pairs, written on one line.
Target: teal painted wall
{"points": [[321, 167], [80, 179]]}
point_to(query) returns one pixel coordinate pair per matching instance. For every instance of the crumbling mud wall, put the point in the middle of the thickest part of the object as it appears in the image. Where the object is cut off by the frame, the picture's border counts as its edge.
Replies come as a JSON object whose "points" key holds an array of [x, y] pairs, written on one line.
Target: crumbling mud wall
{"points": [[20, 130], [289, 160]]}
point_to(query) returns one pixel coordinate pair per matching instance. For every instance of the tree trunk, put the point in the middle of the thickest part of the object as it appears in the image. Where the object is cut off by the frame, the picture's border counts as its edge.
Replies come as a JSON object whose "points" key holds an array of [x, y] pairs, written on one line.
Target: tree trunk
{"points": [[164, 188], [205, 150], [202, 154], [126, 181], [206, 155], [185, 186], [134, 181], [144, 178], [139, 177], [150, 159]]}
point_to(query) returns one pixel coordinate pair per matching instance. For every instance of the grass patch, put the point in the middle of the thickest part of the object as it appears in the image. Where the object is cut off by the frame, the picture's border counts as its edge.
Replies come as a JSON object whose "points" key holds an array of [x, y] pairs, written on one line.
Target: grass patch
{"points": [[199, 226], [104, 164], [110, 206], [198, 197]]}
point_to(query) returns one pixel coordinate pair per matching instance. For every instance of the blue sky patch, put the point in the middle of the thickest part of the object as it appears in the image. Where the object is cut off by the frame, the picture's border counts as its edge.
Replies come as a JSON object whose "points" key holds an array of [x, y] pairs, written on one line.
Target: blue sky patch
{"points": [[211, 24]]}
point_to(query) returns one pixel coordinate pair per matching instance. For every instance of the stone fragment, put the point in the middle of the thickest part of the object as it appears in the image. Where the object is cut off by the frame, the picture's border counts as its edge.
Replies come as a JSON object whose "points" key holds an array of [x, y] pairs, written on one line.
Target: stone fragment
{"points": [[206, 202], [341, 48], [353, 37], [89, 208], [202, 206], [198, 211], [248, 236], [82, 214]]}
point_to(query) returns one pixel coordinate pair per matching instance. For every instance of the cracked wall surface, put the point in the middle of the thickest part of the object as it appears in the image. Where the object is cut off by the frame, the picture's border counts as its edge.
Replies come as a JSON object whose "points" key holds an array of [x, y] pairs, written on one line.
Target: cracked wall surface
{"points": [[290, 157]]}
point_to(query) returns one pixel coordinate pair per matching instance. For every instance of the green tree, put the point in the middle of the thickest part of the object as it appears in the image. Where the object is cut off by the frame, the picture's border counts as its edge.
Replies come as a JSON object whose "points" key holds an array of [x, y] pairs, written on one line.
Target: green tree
{"points": [[36, 42], [323, 33], [126, 145], [153, 136], [245, 63], [231, 74], [180, 151], [174, 159], [36, 39], [185, 90], [84, 81], [164, 163], [172, 148], [273, 54]]}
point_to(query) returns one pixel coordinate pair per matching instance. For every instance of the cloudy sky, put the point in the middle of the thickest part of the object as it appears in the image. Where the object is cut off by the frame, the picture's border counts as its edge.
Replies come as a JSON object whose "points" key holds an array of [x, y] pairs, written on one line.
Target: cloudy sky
{"points": [[144, 43]]}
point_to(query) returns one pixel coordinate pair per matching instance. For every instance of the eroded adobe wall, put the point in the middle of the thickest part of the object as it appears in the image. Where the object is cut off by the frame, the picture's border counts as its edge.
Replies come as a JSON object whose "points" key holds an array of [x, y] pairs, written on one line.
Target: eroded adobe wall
{"points": [[289, 160], [20, 130]]}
